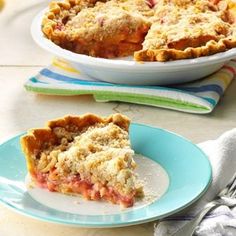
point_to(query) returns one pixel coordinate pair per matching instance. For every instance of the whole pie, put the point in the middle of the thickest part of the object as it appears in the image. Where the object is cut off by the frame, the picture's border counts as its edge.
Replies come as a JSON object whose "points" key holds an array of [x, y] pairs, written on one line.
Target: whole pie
{"points": [[87, 155], [151, 30]]}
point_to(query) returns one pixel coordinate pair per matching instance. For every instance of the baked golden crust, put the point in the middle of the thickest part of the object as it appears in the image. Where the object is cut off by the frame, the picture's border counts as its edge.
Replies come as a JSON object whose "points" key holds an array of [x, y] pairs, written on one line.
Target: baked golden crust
{"points": [[160, 30], [85, 154], [163, 55]]}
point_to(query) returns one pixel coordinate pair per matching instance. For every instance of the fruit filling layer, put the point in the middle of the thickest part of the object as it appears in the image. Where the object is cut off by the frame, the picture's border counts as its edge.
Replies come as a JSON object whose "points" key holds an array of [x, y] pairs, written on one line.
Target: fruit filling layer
{"points": [[74, 185]]}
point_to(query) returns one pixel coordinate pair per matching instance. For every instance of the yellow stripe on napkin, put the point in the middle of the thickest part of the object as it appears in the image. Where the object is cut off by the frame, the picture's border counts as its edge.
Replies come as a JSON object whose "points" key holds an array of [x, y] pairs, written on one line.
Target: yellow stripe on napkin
{"points": [[224, 77], [64, 65]]}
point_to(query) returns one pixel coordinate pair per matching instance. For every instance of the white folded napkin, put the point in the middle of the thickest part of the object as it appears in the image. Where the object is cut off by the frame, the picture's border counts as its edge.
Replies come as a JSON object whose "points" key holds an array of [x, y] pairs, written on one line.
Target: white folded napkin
{"points": [[222, 220]]}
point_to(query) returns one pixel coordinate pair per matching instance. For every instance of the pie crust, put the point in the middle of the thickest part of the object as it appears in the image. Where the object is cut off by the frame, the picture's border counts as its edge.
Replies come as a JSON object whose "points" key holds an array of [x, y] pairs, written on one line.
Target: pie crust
{"points": [[151, 30], [87, 155]]}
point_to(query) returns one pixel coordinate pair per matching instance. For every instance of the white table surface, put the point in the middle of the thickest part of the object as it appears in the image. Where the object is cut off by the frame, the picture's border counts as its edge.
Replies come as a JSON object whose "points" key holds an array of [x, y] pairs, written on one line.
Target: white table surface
{"points": [[20, 58]]}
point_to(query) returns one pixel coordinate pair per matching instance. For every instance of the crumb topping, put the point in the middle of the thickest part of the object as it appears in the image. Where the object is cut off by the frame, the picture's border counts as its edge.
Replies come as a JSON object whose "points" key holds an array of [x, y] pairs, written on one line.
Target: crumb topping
{"points": [[103, 22], [101, 154], [189, 30]]}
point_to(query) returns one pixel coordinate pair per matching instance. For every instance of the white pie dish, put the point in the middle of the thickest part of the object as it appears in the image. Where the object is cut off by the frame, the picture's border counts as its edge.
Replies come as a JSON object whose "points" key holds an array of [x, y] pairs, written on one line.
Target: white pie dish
{"points": [[127, 71]]}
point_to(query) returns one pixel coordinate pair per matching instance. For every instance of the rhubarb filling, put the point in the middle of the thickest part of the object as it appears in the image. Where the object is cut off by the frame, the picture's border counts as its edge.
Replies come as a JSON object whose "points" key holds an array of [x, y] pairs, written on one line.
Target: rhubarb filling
{"points": [[74, 185]]}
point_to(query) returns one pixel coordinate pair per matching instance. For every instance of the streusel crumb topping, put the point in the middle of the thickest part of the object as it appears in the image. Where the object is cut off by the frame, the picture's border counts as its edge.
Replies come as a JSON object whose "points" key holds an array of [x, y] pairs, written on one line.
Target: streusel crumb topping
{"points": [[101, 154]]}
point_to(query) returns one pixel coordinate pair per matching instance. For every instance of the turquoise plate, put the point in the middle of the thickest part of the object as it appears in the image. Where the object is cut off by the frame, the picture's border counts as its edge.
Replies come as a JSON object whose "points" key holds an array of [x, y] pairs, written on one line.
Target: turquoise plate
{"points": [[187, 166]]}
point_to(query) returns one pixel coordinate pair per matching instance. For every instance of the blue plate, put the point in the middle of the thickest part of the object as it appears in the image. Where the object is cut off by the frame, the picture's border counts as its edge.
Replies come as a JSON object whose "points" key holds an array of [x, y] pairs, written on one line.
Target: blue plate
{"points": [[187, 166]]}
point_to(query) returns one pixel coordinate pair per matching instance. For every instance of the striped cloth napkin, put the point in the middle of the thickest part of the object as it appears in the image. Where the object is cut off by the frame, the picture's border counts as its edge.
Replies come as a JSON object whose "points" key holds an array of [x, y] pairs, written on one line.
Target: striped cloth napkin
{"points": [[201, 96]]}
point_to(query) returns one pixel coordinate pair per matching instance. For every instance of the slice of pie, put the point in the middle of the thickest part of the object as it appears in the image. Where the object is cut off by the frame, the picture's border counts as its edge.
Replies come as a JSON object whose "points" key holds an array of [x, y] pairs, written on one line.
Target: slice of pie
{"points": [[87, 155], [103, 29]]}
